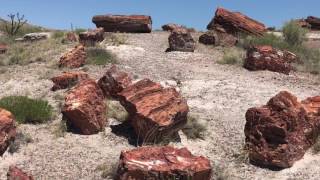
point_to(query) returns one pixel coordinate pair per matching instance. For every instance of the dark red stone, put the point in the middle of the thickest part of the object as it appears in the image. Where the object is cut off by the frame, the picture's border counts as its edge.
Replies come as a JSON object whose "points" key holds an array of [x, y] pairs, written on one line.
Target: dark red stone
{"points": [[181, 40], [90, 38], [74, 58], [7, 129], [15, 173], [68, 79]]}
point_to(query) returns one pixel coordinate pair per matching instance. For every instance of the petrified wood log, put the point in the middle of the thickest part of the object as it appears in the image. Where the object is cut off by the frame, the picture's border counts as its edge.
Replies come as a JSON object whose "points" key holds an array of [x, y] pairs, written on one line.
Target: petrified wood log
{"points": [[268, 58], [155, 112], [180, 39], [123, 23], [159, 163], [74, 58], [314, 22], [90, 38], [279, 133], [68, 79], [235, 22], [7, 129]]}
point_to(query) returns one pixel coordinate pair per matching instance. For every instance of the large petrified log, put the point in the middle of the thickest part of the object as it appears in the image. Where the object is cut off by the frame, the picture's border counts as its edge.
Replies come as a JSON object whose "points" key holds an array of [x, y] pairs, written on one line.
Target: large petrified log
{"points": [[162, 163], [74, 58], [7, 130], [123, 23], [155, 112], [85, 108], [279, 133], [180, 39], [68, 79], [235, 23], [114, 81], [15, 173], [268, 58], [218, 37], [90, 38], [314, 22]]}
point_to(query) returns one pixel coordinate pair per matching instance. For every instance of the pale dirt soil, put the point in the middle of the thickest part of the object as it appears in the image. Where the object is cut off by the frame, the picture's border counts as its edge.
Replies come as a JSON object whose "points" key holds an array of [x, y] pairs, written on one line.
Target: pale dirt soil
{"points": [[219, 94]]}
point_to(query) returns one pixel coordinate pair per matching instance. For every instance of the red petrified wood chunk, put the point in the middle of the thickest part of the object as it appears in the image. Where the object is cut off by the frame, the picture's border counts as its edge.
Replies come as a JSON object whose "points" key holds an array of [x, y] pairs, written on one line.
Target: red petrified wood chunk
{"points": [[114, 81], [162, 163], [74, 58], [85, 109], [15, 173], [7, 130], [68, 79], [180, 39], [279, 133], [3, 48], [218, 37], [92, 36], [123, 23], [155, 112], [235, 23], [268, 58]]}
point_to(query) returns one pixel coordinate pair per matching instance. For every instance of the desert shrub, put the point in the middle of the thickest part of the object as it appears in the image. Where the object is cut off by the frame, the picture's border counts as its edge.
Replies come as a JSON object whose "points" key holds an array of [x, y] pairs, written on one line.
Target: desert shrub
{"points": [[60, 129], [195, 127], [267, 39], [116, 110], [27, 110], [294, 34], [58, 35], [116, 39], [20, 139], [231, 56], [108, 170], [79, 30], [100, 56]]}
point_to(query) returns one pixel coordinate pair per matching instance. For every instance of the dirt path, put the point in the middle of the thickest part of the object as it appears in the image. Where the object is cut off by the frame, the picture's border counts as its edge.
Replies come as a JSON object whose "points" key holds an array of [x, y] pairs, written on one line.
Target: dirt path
{"points": [[218, 94]]}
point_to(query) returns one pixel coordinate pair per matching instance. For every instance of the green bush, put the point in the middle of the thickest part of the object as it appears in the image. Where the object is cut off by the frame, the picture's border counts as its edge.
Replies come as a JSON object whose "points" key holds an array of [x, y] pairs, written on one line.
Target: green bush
{"points": [[27, 110], [267, 39], [294, 34], [58, 34], [231, 56], [100, 56], [79, 30]]}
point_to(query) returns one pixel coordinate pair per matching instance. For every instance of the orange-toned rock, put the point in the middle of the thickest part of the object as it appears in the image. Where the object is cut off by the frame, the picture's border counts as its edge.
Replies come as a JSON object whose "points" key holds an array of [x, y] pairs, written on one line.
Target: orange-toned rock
{"points": [[218, 38], [15, 173], [3, 48], [85, 109], [162, 163], [155, 112], [7, 130], [114, 81], [181, 40], [235, 23], [74, 58], [268, 58], [123, 23], [279, 133], [68, 79], [90, 38]]}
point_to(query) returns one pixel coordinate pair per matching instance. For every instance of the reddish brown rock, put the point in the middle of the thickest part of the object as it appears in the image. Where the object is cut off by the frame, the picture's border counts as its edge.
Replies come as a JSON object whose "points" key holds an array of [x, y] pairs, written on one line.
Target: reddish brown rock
{"points": [[181, 40], [68, 79], [268, 58], [15, 173], [7, 130], [3, 48], [90, 38], [123, 23], [314, 22], [279, 133], [235, 23], [71, 37], [155, 112], [162, 163], [74, 58], [85, 109], [218, 38], [114, 81], [171, 27]]}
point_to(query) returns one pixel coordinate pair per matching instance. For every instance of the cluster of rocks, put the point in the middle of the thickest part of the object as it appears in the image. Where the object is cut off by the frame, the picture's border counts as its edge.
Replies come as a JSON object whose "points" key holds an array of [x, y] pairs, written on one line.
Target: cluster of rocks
{"points": [[311, 22], [35, 36], [279, 133], [91, 37]]}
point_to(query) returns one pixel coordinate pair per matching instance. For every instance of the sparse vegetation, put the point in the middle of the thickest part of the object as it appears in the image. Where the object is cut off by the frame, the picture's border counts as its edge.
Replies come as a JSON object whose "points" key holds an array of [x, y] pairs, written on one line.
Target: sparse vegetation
{"points": [[231, 56], [14, 25], [195, 127], [79, 30], [20, 139], [100, 56], [58, 35], [294, 34], [316, 146], [27, 110], [108, 170], [60, 129], [116, 110], [116, 39]]}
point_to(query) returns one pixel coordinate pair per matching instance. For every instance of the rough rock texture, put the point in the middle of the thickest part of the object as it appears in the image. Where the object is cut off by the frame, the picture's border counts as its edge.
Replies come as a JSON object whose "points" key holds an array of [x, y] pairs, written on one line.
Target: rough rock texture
{"points": [[314, 22], [279, 133], [68, 79], [71, 37], [123, 23], [155, 112], [114, 81], [181, 40], [7, 130], [235, 22], [74, 58], [90, 38], [3, 48], [85, 109], [171, 27], [35, 36], [218, 38], [15, 173], [162, 163], [268, 58]]}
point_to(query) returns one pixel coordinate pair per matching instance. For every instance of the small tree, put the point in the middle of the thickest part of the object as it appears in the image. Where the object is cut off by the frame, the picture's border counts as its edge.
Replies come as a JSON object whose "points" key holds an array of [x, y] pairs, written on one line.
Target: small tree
{"points": [[16, 22]]}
